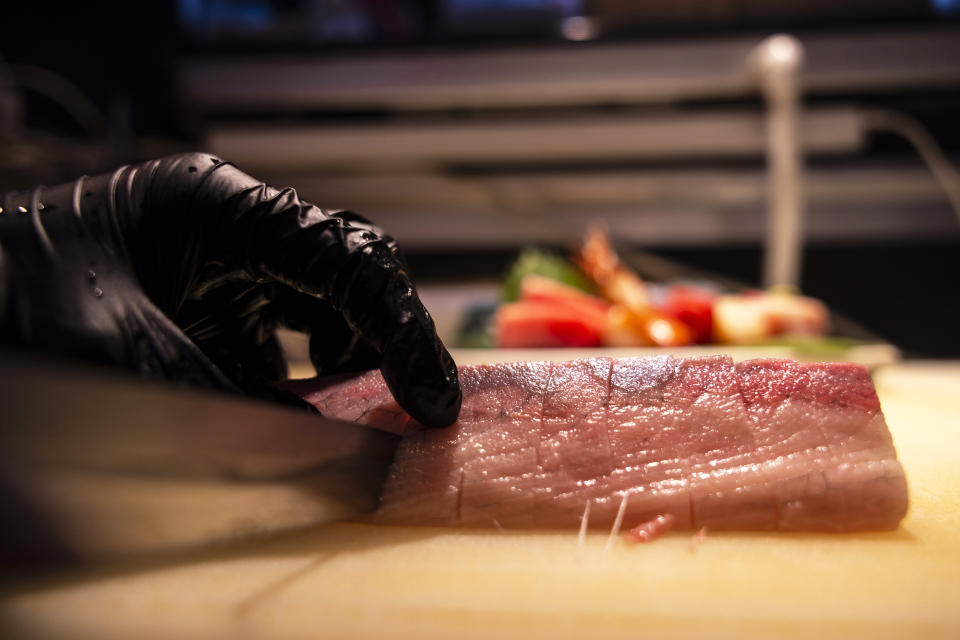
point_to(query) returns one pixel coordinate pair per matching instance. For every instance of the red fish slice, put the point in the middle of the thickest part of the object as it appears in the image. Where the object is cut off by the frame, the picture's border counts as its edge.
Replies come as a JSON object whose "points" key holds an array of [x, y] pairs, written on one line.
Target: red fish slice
{"points": [[760, 445]]}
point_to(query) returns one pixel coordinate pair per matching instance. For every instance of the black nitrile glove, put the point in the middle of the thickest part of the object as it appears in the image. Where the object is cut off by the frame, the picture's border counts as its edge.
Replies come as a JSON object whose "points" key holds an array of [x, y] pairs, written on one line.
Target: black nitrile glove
{"points": [[183, 267]]}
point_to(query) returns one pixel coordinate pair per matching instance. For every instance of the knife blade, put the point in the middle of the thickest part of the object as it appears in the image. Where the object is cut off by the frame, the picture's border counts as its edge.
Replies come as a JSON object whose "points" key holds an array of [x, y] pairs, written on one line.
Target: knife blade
{"points": [[96, 464]]}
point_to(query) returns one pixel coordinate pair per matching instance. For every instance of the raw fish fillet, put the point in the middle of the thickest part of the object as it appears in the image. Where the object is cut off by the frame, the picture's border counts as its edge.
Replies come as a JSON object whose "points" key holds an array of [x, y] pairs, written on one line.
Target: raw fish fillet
{"points": [[758, 445]]}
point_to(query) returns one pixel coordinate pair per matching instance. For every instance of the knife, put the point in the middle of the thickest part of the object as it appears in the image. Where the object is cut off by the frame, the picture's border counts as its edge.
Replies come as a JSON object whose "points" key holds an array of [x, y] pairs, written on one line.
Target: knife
{"points": [[95, 464]]}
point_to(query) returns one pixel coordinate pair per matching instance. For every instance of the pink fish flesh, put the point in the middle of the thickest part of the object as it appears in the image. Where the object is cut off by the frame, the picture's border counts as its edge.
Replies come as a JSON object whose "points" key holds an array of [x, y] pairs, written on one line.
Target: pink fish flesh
{"points": [[758, 445], [651, 529]]}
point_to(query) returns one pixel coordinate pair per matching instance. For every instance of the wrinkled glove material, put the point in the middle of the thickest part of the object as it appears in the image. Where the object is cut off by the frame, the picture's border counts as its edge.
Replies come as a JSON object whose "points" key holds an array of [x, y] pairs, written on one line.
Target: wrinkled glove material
{"points": [[183, 268]]}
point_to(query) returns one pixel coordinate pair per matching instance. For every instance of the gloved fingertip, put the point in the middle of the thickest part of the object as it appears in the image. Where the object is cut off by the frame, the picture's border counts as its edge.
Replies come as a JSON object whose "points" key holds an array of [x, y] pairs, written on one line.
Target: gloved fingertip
{"points": [[428, 389], [441, 410]]}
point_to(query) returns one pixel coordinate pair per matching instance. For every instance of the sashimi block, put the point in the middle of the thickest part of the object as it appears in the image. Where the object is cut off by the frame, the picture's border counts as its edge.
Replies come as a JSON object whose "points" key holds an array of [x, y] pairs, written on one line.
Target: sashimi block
{"points": [[760, 445]]}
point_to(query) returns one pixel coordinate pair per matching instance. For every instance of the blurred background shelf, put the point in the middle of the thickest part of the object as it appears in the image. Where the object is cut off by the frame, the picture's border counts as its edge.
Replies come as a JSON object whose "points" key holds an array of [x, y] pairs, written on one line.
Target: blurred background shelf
{"points": [[471, 128]]}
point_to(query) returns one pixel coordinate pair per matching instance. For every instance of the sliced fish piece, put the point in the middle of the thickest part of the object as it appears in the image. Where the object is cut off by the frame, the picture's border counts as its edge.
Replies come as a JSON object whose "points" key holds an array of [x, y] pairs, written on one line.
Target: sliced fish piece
{"points": [[759, 445]]}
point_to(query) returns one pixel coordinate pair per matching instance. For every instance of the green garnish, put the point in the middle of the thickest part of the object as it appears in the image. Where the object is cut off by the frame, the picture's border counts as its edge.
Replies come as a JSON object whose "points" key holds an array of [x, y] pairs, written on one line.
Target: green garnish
{"points": [[813, 345], [546, 264]]}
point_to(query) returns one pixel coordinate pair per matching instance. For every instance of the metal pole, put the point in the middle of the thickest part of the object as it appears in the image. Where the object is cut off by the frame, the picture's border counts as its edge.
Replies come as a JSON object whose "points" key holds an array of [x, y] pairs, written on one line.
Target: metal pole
{"points": [[778, 63]]}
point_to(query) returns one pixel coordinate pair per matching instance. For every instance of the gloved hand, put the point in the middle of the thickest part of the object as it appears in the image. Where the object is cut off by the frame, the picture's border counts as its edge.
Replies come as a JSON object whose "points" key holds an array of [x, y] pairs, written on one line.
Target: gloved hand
{"points": [[183, 267]]}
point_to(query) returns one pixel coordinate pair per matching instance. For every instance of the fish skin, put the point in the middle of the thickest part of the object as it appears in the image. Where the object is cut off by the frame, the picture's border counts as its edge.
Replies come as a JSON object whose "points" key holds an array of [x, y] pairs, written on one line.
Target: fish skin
{"points": [[759, 445]]}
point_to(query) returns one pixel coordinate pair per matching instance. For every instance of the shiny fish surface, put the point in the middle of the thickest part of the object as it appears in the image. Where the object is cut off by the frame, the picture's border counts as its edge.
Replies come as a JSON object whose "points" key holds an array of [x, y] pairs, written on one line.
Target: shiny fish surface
{"points": [[758, 445]]}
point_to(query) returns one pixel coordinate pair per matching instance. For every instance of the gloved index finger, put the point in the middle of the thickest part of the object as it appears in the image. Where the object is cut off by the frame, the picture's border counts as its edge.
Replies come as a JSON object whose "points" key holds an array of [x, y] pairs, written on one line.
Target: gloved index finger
{"points": [[418, 369], [360, 273]]}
